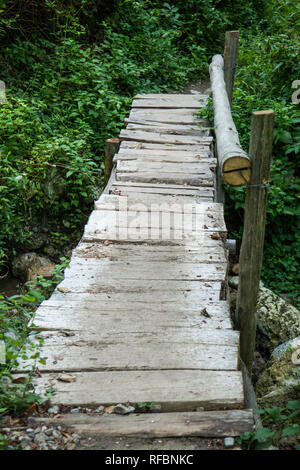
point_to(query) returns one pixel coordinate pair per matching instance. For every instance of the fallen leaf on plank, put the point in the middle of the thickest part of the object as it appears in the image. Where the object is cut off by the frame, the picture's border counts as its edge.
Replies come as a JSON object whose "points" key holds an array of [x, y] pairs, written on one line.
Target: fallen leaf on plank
{"points": [[109, 409], [67, 378]]}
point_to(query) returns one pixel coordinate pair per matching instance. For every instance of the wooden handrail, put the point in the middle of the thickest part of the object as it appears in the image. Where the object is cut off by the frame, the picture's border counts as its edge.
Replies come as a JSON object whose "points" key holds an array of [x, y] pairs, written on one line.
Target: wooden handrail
{"points": [[234, 163]]}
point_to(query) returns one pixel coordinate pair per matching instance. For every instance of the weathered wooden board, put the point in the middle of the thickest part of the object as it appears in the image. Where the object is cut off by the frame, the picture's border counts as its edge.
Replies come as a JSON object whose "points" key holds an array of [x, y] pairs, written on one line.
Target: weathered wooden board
{"points": [[171, 125], [134, 145], [171, 96], [189, 291], [170, 167], [155, 137], [132, 253], [135, 354], [122, 188], [151, 235], [157, 203], [174, 390], [175, 129], [171, 157], [175, 116], [157, 425], [117, 316], [166, 177], [91, 271], [163, 218], [169, 101]]}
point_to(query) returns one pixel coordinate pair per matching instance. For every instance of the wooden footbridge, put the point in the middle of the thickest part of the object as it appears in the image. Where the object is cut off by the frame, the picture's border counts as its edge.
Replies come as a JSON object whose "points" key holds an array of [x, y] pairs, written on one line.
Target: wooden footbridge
{"points": [[143, 314]]}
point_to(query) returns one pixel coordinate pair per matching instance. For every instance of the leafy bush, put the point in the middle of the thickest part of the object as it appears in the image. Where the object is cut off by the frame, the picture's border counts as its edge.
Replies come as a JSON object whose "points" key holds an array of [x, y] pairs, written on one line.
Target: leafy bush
{"points": [[282, 424], [267, 68], [15, 314]]}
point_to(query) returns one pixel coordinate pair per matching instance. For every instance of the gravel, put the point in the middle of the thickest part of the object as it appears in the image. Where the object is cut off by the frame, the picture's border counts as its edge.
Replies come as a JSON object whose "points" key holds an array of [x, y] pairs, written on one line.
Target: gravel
{"points": [[123, 410], [42, 438]]}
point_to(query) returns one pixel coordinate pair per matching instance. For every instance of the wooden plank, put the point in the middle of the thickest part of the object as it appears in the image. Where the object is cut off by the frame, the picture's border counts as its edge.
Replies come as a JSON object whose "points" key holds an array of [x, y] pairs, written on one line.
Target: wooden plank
{"points": [[169, 157], [155, 202], [124, 188], [175, 129], [186, 290], [159, 218], [137, 353], [151, 235], [156, 425], [151, 253], [129, 144], [116, 316], [165, 177], [177, 101], [205, 194], [91, 270], [175, 116], [173, 390], [134, 334], [158, 96], [161, 224], [170, 167], [160, 138]]}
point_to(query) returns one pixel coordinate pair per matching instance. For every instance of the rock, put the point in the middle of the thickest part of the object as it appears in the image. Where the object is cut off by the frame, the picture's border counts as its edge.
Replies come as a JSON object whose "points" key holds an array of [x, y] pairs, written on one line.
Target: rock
{"points": [[27, 266], [292, 343], [75, 410], [123, 410], [39, 439], [35, 241], [100, 409], [277, 320], [56, 434], [229, 442], [280, 381], [30, 431], [24, 439], [54, 409]]}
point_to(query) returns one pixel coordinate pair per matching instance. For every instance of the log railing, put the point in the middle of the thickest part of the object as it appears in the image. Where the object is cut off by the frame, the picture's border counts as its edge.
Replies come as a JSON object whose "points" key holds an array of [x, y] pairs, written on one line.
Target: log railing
{"points": [[237, 169]]}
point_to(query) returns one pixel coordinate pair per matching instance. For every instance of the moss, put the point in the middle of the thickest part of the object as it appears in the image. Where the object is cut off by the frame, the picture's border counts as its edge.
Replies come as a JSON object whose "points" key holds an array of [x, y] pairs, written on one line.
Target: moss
{"points": [[279, 382]]}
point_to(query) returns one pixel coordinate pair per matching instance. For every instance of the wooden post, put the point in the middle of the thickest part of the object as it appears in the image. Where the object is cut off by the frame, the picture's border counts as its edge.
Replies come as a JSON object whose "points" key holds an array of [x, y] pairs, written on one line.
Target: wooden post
{"points": [[251, 253], [111, 147], [230, 59]]}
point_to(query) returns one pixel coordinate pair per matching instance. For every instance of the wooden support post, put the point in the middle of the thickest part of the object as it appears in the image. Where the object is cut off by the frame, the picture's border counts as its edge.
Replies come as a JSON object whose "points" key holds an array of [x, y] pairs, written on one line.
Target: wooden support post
{"points": [[230, 59], [254, 230], [111, 147]]}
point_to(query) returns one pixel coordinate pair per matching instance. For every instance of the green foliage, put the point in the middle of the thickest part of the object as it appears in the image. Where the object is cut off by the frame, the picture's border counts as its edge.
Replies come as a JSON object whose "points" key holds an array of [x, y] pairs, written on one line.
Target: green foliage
{"points": [[21, 342], [267, 67], [282, 423]]}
